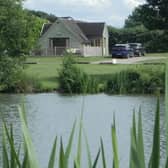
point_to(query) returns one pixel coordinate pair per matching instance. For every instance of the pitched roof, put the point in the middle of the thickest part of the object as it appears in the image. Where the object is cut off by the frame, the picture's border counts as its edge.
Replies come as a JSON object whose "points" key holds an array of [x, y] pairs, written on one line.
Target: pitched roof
{"points": [[83, 30], [74, 28], [91, 30]]}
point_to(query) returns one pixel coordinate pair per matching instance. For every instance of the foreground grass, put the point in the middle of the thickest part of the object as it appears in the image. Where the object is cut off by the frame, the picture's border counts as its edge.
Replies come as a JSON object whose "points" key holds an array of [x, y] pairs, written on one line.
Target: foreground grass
{"points": [[46, 69]]}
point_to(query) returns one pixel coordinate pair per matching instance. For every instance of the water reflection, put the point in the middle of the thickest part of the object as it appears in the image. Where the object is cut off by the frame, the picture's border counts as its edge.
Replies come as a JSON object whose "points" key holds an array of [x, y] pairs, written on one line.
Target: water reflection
{"points": [[51, 114]]}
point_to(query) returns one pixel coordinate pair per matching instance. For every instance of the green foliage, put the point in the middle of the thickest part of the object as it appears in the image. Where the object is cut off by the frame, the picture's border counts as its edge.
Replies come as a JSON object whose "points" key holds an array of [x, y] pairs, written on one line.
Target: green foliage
{"points": [[134, 19], [155, 156], [115, 146], [26, 84], [43, 15], [32, 30], [154, 16], [74, 80], [10, 69], [18, 29], [13, 79], [152, 40], [136, 81]]}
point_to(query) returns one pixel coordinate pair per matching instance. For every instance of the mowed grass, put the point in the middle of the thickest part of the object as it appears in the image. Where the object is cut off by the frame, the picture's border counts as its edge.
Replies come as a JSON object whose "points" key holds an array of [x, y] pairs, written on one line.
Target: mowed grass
{"points": [[47, 68], [157, 55]]}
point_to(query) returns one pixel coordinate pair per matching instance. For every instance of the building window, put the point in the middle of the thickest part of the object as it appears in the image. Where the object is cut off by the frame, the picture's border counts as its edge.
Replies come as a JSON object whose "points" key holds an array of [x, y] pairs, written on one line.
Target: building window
{"points": [[95, 43]]}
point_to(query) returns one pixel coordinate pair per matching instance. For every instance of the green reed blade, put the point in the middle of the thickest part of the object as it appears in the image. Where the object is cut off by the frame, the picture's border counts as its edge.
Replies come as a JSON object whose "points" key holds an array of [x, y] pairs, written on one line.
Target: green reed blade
{"points": [[96, 159], [140, 143], [155, 156], [76, 165], [88, 151], [5, 158], [28, 142], [103, 153], [133, 146], [25, 163], [115, 146], [52, 155], [69, 146], [79, 148], [12, 159], [12, 146], [61, 155], [166, 165]]}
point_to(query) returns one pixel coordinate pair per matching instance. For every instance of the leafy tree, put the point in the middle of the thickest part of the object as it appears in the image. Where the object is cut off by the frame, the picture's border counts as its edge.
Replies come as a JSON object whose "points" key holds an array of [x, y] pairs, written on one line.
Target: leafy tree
{"points": [[156, 14], [10, 70], [43, 15], [33, 29], [153, 15], [134, 19], [19, 30]]}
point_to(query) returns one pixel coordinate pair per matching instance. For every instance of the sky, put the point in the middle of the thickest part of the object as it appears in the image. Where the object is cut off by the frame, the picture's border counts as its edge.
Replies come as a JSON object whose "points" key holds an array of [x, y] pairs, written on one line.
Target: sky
{"points": [[113, 12]]}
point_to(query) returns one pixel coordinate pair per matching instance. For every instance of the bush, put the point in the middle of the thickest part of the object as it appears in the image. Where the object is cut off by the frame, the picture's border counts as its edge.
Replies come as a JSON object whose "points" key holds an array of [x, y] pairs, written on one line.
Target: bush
{"points": [[12, 78], [73, 80], [26, 84], [10, 69], [136, 81]]}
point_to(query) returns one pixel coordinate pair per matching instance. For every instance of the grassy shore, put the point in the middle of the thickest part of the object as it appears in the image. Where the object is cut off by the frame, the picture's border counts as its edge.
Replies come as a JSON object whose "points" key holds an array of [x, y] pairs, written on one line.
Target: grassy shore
{"points": [[46, 68]]}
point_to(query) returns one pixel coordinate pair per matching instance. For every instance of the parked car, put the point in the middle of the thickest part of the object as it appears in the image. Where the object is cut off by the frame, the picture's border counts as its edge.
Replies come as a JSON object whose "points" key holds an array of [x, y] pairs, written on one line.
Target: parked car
{"points": [[138, 49], [122, 51]]}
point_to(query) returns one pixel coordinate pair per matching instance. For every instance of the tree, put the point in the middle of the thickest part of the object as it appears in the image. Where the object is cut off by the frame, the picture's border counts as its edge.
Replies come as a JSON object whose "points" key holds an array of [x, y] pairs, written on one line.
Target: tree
{"points": [[159, 10], [18, 29], [43, 15], [134, 19], [153, 15]]}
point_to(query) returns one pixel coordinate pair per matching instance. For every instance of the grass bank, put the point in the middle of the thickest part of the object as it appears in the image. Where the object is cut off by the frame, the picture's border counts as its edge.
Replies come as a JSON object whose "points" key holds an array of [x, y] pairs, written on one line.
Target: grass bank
{"points": [[45, 69]]}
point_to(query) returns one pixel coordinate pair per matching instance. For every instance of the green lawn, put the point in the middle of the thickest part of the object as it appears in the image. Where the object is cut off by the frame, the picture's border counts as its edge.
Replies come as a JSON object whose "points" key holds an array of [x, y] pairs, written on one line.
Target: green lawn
{"points": [[46, 69], [157, 55]]}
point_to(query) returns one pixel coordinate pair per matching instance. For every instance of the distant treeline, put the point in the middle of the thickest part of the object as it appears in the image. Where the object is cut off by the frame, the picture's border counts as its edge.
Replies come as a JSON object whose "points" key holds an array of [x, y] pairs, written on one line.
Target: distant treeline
{"points": [[43, 15], [153, 40]]}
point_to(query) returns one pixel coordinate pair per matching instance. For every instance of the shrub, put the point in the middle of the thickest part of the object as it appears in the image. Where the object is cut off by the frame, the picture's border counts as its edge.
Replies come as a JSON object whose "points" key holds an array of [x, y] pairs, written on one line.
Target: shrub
{"points": [[12, 78], [136, 81], [74, 80], [26, 84], [10, 69]]}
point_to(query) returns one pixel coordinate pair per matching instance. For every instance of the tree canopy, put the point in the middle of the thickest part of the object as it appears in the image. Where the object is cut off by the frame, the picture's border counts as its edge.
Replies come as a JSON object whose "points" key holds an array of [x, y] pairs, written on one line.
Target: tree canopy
{"points": [[18, 29], [43, 15], [153, 15]]}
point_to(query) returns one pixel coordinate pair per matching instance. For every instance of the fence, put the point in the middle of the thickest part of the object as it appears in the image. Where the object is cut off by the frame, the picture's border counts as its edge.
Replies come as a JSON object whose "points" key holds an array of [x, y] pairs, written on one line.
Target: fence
{"points": [[56, 51], [85, 51], [92, 51]]}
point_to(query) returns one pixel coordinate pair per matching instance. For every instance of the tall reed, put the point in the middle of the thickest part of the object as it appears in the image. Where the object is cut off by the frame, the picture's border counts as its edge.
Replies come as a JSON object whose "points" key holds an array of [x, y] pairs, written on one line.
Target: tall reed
{"points": [[13, 159]]}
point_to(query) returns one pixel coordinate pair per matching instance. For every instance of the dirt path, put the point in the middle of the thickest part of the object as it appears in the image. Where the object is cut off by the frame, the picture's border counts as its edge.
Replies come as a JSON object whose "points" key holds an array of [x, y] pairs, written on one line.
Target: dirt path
{"points": [[134, 60]]}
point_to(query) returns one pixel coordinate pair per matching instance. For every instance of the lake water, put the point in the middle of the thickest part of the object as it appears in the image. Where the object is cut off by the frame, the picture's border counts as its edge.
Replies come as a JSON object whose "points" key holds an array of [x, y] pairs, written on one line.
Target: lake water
{"points": [[53, 114]]}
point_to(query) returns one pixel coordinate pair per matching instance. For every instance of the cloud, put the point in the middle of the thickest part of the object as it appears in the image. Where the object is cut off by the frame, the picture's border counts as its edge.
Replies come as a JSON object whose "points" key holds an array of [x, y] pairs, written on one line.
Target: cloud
{"points": [[70, 3], [133, 3], [89, 3], [113, 12]]}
